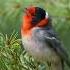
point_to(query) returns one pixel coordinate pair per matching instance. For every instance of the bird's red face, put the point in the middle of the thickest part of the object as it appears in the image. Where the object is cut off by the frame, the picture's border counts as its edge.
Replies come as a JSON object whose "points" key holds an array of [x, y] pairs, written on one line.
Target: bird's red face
{"points": [[30, 12], [34, 17]]}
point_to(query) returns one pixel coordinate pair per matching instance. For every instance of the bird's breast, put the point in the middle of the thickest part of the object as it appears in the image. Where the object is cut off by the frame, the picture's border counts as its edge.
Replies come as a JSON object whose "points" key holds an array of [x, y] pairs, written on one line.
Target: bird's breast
{"points": [[39, 50]]}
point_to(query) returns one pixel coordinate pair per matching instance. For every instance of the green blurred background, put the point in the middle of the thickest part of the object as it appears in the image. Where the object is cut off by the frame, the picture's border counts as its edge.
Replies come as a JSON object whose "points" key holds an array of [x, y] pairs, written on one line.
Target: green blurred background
{"points": [[11, 12]]}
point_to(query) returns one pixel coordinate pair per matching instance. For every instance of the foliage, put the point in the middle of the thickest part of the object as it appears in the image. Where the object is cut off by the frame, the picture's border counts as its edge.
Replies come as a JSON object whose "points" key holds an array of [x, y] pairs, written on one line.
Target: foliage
{"points": [[12, 56]]}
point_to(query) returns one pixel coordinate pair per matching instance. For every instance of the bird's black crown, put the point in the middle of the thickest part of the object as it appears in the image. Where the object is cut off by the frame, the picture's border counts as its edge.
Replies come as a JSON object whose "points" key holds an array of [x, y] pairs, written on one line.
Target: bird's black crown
{"points": [[39, 15]]}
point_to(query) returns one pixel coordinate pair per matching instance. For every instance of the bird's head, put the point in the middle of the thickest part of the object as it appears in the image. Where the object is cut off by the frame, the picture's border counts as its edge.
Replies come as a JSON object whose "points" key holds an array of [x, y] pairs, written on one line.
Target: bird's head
{"points": [[34, 17]]}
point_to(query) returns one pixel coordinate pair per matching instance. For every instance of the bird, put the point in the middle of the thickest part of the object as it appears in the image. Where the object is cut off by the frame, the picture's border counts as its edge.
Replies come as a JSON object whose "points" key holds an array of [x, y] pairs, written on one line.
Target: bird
{"points": [[40, 39]]}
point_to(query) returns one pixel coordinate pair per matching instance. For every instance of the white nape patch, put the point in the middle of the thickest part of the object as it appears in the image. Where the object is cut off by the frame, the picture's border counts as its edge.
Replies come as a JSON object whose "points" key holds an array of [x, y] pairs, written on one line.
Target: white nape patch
{"points": [[46, 15]]}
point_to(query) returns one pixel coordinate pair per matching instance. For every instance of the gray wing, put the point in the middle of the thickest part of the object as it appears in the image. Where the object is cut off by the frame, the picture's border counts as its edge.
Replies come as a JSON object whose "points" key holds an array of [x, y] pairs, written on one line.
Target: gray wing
{"points": [[56, 44], [50, 37]]}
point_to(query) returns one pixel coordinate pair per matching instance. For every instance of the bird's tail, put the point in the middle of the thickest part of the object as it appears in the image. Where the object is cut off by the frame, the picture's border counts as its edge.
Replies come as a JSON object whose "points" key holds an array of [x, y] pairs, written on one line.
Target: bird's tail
{"points": [[68, 62]]}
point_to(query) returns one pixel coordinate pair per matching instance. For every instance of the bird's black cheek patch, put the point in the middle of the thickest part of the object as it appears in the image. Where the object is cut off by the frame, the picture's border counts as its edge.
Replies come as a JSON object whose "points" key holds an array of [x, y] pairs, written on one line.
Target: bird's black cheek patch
{"points": [[35, 20]]}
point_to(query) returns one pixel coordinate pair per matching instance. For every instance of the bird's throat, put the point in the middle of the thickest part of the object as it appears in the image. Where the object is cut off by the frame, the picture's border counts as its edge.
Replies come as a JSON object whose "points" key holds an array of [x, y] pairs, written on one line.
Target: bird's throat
{"points": [[26, 26]]}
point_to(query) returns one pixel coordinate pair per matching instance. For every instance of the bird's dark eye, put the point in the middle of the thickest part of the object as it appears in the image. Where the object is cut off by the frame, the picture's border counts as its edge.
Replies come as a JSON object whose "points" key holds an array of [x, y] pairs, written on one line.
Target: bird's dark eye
{"points": [[32, 14]]}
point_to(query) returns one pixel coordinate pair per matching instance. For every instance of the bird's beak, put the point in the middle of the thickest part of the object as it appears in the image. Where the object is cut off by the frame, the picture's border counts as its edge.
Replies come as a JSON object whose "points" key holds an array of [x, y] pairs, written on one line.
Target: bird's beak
{"points": [[25, 9]]}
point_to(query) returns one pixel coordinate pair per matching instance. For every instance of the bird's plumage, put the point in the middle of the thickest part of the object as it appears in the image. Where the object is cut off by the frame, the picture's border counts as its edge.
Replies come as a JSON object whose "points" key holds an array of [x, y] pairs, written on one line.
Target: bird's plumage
{"points": [[40, 40]]}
